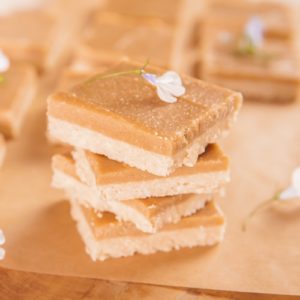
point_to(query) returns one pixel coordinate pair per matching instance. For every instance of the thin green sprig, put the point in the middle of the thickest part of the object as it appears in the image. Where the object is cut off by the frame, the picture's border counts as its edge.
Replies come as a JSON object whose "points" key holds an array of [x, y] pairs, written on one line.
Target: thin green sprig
{"points": [[138, 71], [246, 47], [259, 208]]}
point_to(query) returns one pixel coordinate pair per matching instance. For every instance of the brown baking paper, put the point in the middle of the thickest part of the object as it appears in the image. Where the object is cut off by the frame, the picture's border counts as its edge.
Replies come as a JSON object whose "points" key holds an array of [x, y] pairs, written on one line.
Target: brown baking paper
{"points": [[265, 148]]}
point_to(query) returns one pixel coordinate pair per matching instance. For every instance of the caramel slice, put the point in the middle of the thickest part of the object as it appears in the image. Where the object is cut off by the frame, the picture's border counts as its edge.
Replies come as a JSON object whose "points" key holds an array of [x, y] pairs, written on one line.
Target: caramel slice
{"points": [[41, 36], [107, 37], [148, 215], [278, 18], [272, 74], [17, 92], [123, 118], [2, 149], [105, 237], [27, 35], [117, 181]]}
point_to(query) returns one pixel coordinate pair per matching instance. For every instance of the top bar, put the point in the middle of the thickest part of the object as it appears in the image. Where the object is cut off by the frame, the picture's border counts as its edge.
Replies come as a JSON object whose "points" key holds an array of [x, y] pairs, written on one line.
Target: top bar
{"points": [[123, 118]]}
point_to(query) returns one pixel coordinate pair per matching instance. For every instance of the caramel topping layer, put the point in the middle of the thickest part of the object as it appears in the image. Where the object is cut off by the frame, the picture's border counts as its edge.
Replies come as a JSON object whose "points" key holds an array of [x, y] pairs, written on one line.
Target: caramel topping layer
{"points": [[149, 206], [106, 226], [111, 34], [109, 171], [127, 108], [65, 164]]}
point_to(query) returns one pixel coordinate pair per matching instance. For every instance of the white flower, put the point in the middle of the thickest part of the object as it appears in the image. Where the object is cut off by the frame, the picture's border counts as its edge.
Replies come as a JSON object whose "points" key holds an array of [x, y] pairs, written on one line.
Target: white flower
{"points": [[4, 62], [2, 241], [254, 31], [168, 86], [292, 191]]}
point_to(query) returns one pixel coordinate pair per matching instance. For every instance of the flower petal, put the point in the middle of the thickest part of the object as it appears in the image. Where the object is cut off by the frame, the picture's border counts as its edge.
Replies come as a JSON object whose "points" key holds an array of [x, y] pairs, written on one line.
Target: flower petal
{"points": [[169, 77], [254, 30], [289, 193], [165, 95], [176, 90], [4, 62], [2, 237], [296, 179], [151, 78]]}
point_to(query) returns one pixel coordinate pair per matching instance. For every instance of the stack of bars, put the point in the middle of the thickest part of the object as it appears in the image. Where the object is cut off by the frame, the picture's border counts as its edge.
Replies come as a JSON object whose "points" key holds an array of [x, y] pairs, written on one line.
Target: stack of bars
{"points": [[143, 174]]}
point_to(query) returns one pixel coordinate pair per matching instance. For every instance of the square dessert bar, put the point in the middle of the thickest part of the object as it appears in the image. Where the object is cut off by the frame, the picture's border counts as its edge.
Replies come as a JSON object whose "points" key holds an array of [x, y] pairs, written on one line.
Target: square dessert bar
{"points": [[278, 18], [272, 74], [35, 36], [148, 215], [108, 37], [2, 149], [123, 118], [105, 237], [17, 92], [114, 180]]}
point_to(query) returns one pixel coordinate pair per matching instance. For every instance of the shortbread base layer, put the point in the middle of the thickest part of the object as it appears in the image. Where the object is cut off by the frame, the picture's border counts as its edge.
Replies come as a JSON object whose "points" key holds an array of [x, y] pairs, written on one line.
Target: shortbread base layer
{"points": [[129, 210], [134, 156], [259, 90], [165, 240]]}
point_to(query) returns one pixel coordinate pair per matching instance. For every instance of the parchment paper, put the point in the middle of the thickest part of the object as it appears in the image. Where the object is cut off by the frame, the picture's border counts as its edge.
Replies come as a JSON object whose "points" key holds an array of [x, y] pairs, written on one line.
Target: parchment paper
{"points": [[265, 148]]}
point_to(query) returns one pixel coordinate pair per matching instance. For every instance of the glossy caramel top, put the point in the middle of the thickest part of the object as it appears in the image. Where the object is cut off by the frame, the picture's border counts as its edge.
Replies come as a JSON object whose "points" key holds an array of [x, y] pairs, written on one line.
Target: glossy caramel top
{"points": [[107, 226], [110, 34], [119, 105], [278, 59], [109, 171]]}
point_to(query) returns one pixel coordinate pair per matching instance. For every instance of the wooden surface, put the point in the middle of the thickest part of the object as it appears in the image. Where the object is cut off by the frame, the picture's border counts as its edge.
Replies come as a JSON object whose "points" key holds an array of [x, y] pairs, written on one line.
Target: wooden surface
{"points": [[16, 285]]}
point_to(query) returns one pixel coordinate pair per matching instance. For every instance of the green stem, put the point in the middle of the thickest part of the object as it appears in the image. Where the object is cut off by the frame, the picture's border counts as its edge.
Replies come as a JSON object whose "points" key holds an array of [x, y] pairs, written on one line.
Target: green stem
{"points": [[139, 71], [259, 208]]}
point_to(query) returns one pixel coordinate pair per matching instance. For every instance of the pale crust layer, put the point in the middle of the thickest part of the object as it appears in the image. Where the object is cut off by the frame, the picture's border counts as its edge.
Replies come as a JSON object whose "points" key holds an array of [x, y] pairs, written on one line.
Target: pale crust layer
{"points": [[17, 94], [95, 169], [265, 90], [105, 237], [137, 116]]}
